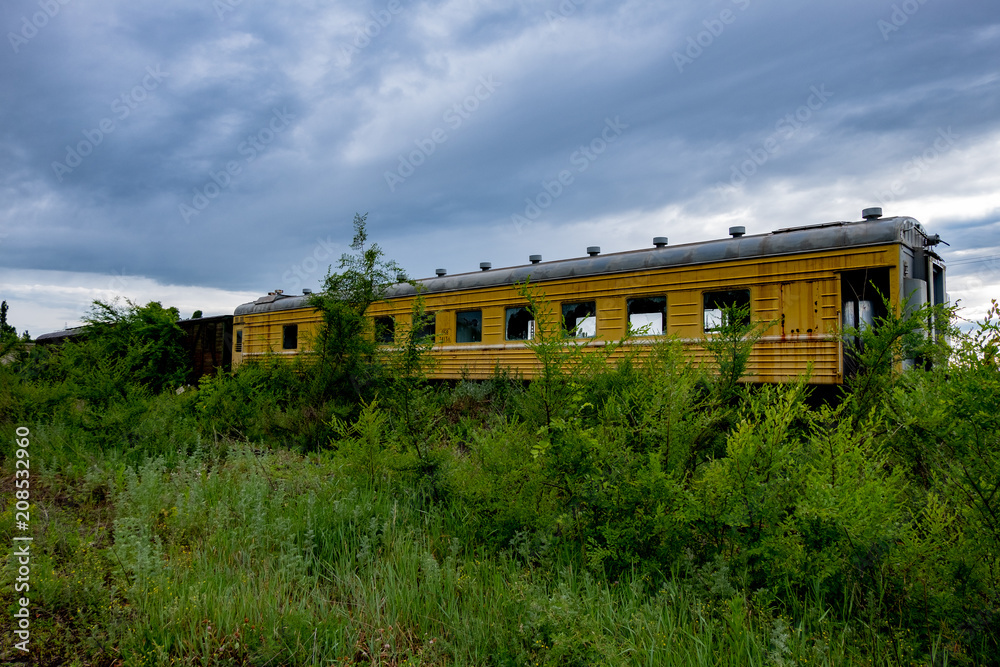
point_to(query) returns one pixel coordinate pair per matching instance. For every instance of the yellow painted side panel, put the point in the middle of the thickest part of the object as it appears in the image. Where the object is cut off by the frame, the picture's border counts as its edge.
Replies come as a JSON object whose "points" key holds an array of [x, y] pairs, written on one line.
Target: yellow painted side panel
{"points": [[766, 306], [798, 296], [262, 333], [771, 361]]}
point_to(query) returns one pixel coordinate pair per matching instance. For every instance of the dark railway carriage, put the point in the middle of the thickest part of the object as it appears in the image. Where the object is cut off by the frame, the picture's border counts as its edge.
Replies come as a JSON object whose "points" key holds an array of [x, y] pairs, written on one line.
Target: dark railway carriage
{"points": [[209, 344], [809, 282], [60, 337]]}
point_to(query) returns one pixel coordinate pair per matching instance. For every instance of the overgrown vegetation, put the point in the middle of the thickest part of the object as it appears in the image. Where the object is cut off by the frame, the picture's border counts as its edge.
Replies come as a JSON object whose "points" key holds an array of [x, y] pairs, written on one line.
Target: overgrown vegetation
{"points": [[646, 511]]}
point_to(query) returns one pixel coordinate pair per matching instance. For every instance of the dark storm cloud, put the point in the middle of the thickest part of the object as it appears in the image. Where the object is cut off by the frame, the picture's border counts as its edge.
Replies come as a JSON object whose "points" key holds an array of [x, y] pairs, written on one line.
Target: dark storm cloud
{"points": [[227, 142]]}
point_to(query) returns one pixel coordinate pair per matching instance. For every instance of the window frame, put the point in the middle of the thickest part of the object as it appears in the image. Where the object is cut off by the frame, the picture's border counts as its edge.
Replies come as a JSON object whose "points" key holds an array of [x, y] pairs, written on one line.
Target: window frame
{"points": [[532, 323], [379, 333], [458, 327], [287, 329], [704, 309], [429, 330], [574, 332], [629, 313]]}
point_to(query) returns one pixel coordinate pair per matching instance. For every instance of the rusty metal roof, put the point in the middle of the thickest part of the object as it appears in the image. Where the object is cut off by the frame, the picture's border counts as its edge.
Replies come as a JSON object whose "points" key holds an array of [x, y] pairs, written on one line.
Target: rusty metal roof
{"points": [[59, 336], [785, 241]]}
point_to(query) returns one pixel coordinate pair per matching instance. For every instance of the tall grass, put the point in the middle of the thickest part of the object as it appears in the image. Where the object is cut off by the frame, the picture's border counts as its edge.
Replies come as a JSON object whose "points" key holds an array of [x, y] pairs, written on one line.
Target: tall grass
{"points": [[645, 514], [268, 557]]}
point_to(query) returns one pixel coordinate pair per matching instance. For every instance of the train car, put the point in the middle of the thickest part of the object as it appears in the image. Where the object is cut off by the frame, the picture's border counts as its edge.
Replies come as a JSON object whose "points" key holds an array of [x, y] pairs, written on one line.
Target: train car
{"points": [[807, 282], [208, 342], [60, 337]]}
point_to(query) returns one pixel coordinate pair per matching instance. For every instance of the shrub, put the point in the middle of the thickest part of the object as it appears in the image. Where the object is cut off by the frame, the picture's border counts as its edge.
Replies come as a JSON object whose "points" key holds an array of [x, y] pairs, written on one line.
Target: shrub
{"points": [[345, 345]]}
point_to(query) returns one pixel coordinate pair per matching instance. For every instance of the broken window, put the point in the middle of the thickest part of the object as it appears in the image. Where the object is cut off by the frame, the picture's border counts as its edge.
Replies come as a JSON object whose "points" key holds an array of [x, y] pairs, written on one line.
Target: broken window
{"points": [[580, 319], [428, 328], [520, 324], [469, 326], [647, 316], [290, 336], [717, 304], [385, 329]]}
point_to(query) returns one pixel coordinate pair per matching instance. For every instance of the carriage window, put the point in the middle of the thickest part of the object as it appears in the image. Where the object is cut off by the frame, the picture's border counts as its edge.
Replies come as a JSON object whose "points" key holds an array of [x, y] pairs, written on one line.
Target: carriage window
{"points": [[520, 324], [716, 304], [469, 326], [429, 329], [647, 316], [862, 291], [239, 340], [385, 329], [580, 319], [289, 336]]}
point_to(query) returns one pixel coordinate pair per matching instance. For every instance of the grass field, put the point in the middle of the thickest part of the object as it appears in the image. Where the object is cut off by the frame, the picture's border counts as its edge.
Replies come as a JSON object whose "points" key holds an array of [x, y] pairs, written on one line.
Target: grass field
{"points": [[646, 514]]}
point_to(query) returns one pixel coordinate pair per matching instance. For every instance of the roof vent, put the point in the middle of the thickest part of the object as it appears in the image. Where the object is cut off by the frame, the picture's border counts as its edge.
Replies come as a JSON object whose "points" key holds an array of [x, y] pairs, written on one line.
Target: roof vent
{"points": [[659, 241], [534, 259], [440, 272], [279, 291], [306, 291], [737, 232], [594, 250], [873, 213], [485, 266]]}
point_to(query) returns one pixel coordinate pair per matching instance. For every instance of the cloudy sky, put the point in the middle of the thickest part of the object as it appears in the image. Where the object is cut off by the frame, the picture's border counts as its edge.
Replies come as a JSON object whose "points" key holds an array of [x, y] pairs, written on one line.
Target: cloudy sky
{"points": [[202, 152]]}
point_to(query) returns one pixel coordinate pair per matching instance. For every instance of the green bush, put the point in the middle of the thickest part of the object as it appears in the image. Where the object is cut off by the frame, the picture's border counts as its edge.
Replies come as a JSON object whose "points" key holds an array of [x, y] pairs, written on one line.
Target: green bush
{"points": [[645, 512]]}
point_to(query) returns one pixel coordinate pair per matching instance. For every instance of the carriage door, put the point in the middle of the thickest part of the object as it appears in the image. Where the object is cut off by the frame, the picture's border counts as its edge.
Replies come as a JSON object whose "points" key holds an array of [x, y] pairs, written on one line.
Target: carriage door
{"points": [[799, 309], [862, 305]]}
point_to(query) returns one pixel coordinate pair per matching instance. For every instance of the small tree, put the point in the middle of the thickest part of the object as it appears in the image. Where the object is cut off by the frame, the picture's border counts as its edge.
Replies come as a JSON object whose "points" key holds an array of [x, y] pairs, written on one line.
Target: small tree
{"points": [[563, 361], [407, 364], [351, 361], [142, 343], [731, 346], [345, 344], [880, 350]]}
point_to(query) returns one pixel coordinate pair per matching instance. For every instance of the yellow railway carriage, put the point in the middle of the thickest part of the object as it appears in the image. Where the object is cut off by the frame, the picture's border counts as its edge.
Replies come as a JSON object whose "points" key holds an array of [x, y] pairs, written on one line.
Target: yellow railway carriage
{"points": [[808, 282]]}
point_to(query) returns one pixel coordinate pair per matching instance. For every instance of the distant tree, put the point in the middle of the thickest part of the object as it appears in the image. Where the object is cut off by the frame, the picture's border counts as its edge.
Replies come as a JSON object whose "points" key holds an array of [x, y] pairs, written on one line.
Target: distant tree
{"points": [[196, 315], [6, 330], [10, 344]]}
